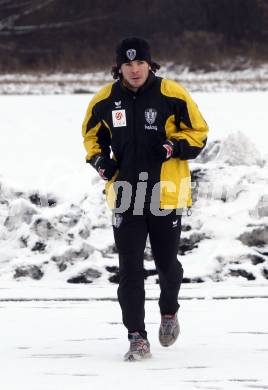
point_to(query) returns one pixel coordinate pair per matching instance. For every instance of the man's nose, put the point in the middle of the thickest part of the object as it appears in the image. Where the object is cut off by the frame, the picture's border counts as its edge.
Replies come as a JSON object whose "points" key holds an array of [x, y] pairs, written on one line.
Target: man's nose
{"points": [[134, 68]]}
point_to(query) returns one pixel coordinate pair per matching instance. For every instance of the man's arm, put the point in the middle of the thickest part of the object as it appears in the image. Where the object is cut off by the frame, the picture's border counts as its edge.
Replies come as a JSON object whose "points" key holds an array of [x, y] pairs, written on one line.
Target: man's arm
{"points": [[97, 138], [191, 135]]}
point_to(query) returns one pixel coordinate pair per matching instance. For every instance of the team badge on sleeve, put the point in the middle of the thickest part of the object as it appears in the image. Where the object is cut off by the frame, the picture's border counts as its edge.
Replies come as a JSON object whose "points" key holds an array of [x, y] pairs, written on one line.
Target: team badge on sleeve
{"points": [[117, 219]]}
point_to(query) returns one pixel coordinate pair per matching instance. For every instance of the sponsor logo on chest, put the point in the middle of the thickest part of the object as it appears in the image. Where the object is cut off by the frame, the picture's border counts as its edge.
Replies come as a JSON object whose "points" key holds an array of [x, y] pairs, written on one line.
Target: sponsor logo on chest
{"points": [[119, 118]]}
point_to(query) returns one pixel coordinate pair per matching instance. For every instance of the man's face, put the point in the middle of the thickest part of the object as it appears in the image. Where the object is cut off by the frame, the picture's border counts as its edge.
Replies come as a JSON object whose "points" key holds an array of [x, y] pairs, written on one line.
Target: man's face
{"points": [[135, 73]]}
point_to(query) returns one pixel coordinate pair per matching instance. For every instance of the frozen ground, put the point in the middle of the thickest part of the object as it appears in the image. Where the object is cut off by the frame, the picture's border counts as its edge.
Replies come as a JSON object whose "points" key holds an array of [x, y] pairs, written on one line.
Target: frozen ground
{"points": [[79, 345]]}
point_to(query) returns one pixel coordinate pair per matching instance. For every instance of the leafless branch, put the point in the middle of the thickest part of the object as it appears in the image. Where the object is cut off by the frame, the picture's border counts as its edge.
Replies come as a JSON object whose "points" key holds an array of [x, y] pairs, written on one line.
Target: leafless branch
{"points": [[19, 30], [9, 4], [8, 23]]}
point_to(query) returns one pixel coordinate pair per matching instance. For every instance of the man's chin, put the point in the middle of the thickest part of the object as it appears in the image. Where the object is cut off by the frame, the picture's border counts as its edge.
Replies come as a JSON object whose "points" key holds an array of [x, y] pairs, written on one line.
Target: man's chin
{"points": [[136, 83], [133, 84]]}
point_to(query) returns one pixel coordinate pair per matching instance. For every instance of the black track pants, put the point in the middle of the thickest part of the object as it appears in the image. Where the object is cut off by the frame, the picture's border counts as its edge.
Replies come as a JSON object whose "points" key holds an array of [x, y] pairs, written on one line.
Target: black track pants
{"points": [[130, 238]]}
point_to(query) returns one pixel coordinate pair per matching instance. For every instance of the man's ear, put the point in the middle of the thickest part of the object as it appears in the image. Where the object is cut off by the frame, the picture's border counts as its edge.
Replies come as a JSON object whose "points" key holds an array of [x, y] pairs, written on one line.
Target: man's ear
{"points": [[119, 71]]}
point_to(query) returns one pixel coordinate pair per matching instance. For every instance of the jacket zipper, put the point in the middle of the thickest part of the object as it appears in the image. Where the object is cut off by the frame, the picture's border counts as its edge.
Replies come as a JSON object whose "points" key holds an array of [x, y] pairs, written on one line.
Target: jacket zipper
{"points": [[135, 173]]}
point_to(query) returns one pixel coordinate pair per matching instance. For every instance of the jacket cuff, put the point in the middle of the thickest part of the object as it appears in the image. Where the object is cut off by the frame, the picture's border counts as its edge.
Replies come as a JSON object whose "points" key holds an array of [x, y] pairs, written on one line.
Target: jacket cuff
{"points": [[96, 161]]}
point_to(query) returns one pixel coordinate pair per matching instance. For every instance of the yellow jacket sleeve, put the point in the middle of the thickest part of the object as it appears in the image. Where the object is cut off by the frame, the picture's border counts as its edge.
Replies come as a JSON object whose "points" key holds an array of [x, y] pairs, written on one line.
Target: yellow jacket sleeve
{"points": [[95, 131], [191, 128]]}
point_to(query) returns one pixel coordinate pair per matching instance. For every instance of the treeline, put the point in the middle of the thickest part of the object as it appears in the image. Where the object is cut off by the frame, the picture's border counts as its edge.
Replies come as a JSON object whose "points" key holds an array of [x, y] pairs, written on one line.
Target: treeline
{"points": [[81, 34]]}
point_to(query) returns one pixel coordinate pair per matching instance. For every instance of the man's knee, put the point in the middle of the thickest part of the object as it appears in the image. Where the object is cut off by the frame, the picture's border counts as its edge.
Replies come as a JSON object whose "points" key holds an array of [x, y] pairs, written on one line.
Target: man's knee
{"points": [[170, 269]]}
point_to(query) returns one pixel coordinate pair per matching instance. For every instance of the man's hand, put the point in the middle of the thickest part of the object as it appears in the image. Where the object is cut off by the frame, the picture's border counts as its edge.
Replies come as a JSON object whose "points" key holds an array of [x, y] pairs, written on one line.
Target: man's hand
{"points": [[105, 167], [164, 151]]}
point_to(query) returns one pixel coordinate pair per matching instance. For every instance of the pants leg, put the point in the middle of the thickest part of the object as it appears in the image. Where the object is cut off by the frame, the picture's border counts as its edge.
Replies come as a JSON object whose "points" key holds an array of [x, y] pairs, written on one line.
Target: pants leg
{"points": [[164, 233], [130, 239]]}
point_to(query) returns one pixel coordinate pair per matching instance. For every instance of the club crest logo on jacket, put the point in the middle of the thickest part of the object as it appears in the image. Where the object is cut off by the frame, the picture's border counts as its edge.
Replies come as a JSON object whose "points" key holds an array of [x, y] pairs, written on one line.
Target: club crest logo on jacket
{"points": [[150, 116]]}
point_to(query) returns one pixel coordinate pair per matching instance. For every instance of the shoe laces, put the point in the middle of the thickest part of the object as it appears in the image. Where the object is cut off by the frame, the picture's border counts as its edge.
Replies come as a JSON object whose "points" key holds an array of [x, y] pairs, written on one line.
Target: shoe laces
{"points": [[137, 342], [167, 323]]}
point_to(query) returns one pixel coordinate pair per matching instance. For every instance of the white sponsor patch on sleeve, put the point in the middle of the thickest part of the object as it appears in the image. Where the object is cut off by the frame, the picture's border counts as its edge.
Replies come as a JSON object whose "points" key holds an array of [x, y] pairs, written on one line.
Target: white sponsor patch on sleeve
{"points": [[119, 118]]}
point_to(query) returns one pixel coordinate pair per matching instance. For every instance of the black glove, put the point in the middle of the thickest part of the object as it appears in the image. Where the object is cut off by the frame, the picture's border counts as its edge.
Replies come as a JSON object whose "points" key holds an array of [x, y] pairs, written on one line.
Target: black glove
{"points": [[164, 151], [105, 167]]}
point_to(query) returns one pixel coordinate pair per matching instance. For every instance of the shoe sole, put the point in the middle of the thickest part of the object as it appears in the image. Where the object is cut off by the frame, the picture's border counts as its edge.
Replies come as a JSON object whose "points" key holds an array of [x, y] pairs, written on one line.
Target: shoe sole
{"points": [[136, 357]]}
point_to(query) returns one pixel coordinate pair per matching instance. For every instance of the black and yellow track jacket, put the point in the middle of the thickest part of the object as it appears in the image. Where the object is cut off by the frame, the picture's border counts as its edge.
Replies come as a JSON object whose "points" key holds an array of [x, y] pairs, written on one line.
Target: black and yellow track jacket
{"points": [[128, 124]]}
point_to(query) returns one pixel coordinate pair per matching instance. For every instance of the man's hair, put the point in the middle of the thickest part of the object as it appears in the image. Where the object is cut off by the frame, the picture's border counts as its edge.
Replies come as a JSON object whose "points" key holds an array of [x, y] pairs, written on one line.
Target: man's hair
{"points": [[116, 75]]}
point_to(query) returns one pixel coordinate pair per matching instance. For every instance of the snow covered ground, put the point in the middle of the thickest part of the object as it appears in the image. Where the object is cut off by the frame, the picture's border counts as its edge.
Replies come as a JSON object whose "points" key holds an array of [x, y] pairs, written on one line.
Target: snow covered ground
{"points": [[79, 345]]}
